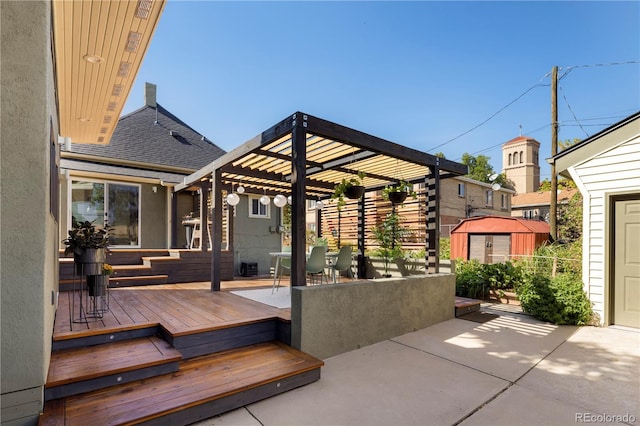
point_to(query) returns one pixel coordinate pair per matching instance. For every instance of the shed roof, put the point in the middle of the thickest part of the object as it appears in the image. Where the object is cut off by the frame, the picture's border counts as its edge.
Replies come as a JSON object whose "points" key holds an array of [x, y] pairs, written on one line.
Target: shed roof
{"points": [[501, 225]]}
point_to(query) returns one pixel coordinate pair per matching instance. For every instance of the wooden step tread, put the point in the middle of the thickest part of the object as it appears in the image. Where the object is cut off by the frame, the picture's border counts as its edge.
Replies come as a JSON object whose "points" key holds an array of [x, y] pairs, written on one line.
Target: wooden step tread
{"points": [[138, 277], [199, 381], [79, 364]]}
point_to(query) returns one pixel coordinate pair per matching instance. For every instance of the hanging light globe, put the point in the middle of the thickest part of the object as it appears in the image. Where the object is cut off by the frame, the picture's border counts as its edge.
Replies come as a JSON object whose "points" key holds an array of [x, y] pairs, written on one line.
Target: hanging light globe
{"points": [[290, 200], [280, 200], [240, 189], [319, 205], [265, 200], [233, 199]]}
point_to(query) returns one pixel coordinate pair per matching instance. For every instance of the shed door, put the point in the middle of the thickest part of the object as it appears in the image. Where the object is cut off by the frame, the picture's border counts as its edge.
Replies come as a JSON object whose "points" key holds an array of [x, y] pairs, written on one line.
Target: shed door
{"points": [[626, 274], [489, 248]]}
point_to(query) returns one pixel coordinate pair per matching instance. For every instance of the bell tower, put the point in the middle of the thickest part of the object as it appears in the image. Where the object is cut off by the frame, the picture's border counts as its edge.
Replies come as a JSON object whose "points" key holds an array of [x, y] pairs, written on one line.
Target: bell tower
{"points": [[520, 163]]}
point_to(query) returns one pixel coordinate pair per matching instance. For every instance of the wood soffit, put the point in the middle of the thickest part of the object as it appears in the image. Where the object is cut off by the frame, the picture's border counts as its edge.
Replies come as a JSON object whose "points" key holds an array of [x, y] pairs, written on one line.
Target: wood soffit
{"points": [[98, 50]]}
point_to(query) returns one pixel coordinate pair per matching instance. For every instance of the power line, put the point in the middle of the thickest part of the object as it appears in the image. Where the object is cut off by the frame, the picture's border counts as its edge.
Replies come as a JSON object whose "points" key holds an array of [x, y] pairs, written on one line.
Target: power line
{"points": [[490, 117], [573, 113]]}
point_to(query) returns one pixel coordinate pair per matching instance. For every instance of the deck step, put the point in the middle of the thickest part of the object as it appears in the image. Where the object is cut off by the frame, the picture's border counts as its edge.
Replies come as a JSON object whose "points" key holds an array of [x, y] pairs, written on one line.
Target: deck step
{"points": [[78, 370], [465, 305], [202, 388], [129, 281]]}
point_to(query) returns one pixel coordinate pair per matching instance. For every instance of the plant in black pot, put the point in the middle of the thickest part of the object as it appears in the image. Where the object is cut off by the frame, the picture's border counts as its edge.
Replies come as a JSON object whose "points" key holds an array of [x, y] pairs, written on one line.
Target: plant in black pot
{"points": [[88, 243], [399, 192], [350, 188]]}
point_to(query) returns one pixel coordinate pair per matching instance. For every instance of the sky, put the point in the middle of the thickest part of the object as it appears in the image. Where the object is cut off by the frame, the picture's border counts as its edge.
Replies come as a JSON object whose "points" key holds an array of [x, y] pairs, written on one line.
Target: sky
{"points": [[451, 77]]}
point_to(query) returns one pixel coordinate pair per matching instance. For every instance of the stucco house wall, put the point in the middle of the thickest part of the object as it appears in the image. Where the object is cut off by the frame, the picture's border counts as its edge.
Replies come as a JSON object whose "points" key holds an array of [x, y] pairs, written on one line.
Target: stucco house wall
{"points": [[609, 166], [29, 233]]}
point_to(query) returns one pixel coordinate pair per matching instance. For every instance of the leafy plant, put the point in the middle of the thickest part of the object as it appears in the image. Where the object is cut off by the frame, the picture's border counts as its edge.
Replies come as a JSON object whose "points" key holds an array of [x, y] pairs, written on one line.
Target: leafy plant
{"points": [[400, 186], [561, 300], [84, 235], [340, 190], [389, 234]]}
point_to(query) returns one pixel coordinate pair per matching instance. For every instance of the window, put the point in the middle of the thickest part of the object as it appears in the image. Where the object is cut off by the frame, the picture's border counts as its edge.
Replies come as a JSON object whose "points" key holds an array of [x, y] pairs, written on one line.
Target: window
{"points": [[461, 190], [504, 200], [257, 209], [489, 198], [521, 157], [509, 159]]}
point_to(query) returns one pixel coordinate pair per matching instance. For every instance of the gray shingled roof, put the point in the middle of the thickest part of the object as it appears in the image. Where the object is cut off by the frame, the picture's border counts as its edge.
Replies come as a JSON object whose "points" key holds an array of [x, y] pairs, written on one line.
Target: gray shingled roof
{"points": [[138, 138]]}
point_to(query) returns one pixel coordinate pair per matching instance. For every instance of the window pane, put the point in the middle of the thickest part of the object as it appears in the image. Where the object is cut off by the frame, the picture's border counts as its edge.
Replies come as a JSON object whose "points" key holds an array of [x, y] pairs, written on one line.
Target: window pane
{"points": [[123, 214], [87, 202]]}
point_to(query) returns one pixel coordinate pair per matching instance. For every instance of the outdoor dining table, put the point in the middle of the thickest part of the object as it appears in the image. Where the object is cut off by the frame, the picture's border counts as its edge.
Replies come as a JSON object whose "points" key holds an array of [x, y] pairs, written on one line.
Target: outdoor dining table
{"points": [[331, 257]]}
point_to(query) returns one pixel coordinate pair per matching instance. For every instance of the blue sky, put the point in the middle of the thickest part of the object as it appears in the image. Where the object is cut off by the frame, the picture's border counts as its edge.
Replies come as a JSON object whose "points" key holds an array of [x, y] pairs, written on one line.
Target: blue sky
{"points": [[417, 73]]}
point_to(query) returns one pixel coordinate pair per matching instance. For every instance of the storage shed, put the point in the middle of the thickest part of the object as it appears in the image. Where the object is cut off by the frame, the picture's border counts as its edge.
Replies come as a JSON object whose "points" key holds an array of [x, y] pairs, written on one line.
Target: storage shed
{"points": [[495, 239]]}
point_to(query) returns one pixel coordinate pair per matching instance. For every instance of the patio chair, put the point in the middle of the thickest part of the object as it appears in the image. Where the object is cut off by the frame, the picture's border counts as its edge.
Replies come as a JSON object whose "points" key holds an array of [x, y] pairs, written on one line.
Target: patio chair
{"points": [[317, 262], [343, 263], [285, 265]]}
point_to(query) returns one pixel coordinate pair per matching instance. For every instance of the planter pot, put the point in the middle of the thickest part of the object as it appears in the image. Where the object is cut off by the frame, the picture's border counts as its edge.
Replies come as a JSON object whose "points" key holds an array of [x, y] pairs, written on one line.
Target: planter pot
{"points": [[398, 197], [89, 261], [354, 192], [97, 285]]}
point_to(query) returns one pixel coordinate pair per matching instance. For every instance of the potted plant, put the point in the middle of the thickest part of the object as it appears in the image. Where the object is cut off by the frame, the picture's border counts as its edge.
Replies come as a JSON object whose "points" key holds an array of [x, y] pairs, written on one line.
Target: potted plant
{"points": [[98, 284], [88, 244], [350, 188], [399, 192], [388, 234]]}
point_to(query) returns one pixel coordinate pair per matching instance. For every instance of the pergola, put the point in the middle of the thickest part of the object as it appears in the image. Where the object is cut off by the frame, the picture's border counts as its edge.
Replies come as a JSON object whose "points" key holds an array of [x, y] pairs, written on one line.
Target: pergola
{"points": [[305, 157]]}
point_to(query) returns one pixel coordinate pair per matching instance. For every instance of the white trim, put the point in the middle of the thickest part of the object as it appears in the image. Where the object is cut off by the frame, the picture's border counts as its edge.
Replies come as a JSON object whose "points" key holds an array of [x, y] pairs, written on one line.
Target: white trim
{"points": [[250, 208]]}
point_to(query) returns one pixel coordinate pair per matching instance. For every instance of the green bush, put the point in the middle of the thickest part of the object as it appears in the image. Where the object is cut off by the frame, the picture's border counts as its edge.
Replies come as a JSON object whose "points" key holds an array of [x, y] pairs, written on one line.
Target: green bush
{"points": [[560, 300], [475, 280], [469, 281]]}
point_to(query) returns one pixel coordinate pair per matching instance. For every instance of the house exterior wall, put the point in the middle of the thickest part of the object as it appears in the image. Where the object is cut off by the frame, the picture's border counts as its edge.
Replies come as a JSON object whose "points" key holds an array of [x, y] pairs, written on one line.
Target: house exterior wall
{"points": [[29, 235], [610, 173], [254, 238]]}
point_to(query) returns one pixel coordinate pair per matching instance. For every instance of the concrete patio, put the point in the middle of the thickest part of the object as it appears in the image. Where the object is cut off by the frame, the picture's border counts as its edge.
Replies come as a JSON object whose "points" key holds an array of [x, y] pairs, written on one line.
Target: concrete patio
{"points": [[512, 370]]}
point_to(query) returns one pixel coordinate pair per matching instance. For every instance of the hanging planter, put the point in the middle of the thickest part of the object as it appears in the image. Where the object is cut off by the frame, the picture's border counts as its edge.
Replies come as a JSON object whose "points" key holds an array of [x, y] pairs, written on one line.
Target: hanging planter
{"points": [[354, 192], [398, 197], [399, 192], [349, 188]]}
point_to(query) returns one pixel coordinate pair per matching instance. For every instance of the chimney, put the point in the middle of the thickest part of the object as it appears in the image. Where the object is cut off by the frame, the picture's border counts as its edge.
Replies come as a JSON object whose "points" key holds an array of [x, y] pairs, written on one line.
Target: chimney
{"points": [[150, 95]]}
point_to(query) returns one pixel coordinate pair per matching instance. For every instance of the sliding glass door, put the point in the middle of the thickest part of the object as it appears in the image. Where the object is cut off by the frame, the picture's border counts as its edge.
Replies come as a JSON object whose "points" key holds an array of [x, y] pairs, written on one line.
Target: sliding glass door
{"points": [[106, 202]]}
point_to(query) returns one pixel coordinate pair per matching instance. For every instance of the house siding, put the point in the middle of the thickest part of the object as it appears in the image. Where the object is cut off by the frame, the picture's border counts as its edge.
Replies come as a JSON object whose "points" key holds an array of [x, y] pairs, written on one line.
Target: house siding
{"points": [[29, 231], [610, 173]]}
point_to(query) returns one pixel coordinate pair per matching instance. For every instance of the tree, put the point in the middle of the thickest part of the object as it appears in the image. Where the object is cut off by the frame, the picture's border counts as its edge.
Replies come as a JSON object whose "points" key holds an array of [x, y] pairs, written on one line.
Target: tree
{"points": [[563, 183], [481, 170]]}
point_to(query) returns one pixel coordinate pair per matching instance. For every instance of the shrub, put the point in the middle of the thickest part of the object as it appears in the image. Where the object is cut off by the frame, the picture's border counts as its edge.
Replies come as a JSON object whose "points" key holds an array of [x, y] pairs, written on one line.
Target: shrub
{"points": [[559, 301], [470, 282], [475, 280]]}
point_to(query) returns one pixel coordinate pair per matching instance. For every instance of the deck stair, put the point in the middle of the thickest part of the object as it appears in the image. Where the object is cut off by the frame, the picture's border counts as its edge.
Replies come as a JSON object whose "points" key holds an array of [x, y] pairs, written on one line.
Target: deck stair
{"points": [[170, 357], [200, 388], [151, 266]]}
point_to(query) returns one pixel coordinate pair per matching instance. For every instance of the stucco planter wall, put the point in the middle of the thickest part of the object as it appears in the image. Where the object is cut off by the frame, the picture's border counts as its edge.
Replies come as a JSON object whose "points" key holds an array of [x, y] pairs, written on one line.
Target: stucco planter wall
{"points": [[327, 320]]}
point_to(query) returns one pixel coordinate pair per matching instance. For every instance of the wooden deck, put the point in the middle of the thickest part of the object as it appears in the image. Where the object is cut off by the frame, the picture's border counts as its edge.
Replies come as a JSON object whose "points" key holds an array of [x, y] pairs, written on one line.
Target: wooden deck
{"points": [[170, 354], [180, 309]]}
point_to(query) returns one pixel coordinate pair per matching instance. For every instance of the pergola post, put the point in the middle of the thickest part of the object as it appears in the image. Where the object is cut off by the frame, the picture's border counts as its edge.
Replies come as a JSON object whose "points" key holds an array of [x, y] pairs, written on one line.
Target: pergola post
{"points": [[432, 243], [361, 224], [298, 207], [216, 219], [173, 236]]}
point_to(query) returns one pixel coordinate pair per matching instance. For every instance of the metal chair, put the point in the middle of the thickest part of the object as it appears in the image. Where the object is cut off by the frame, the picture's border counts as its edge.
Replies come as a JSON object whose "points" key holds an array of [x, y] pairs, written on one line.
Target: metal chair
{"points": [[317, 262], [343, 262]]}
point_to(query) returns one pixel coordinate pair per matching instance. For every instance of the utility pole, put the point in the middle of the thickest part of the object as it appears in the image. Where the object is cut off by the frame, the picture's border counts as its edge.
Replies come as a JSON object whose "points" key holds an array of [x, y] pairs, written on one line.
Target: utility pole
{"points": [[553, 211]]}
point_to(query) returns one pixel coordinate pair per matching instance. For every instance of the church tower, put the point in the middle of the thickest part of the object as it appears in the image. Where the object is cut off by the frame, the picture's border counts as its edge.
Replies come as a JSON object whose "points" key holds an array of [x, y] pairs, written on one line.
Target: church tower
{"points": [[520, 163]]}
